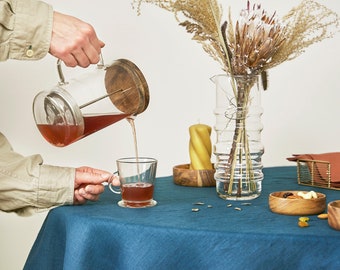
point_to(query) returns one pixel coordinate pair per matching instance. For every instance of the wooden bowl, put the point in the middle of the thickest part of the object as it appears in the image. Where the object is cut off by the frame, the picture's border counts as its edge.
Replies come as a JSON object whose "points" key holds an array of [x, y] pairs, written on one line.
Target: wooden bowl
{"points": [[184, 176], [334, 214], [296, 206]]}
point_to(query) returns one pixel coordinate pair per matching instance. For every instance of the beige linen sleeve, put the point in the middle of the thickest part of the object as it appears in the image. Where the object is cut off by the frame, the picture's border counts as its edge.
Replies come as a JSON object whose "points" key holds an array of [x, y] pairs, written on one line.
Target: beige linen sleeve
{"points": [[25, 29], [27, 186]]}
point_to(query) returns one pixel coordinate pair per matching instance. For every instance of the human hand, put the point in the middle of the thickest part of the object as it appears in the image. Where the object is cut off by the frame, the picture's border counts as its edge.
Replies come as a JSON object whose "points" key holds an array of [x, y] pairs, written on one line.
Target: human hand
{"points": [[88, 184], [74, 41]]}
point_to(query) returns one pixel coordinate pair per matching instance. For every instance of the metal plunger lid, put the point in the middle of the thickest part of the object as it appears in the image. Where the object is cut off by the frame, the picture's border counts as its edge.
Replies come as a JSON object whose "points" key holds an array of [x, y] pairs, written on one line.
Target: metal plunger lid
{"points": [[60, 108]]}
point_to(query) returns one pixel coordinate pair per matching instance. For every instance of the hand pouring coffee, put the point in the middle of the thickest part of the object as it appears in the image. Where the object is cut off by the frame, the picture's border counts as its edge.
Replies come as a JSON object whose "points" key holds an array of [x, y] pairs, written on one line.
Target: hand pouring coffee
{"points": [[73, 110]]}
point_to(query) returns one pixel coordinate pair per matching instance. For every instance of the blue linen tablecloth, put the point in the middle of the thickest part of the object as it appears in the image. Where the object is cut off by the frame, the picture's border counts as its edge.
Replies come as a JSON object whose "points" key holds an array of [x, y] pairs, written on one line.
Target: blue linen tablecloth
{"points": [[102, 235]]}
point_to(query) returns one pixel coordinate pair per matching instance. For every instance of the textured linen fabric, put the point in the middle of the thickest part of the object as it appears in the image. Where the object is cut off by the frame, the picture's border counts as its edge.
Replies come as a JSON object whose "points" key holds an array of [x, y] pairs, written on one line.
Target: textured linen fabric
{"points": [[103, 235], [25, 29], [28, 186]]}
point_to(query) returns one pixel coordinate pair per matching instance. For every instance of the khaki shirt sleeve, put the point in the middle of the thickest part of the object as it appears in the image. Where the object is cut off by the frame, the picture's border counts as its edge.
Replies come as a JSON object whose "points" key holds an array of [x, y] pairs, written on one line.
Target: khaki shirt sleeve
{"points": [[25, 29], [27, 186]]}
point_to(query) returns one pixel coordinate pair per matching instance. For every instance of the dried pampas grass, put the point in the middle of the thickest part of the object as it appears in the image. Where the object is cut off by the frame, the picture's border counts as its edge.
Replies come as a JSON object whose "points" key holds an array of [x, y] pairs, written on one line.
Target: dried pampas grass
{"points": [[257, 41]]}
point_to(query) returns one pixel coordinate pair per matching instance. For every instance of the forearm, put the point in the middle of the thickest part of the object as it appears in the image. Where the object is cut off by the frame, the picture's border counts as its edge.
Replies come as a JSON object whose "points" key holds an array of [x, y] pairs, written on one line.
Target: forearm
{"points": [[28, 186], [26, 28]]}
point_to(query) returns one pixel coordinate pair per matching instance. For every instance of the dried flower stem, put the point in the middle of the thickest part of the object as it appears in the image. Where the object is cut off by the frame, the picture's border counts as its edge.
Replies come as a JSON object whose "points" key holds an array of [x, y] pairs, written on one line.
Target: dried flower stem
{"points": [[240, 146]]}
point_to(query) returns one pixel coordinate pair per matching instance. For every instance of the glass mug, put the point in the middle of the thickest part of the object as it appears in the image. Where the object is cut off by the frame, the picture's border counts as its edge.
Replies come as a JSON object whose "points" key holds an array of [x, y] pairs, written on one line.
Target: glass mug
{"points": [[137, 179]]}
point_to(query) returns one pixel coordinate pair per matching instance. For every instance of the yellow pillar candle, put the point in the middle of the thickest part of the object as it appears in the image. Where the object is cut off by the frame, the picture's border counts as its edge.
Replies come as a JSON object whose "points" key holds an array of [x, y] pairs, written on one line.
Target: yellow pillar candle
{"points": [[200, 147]]}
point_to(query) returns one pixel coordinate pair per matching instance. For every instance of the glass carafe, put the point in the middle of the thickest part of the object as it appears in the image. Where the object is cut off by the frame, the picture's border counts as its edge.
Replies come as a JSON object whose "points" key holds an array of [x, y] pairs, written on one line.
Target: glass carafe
{"points": [[75, 109]]}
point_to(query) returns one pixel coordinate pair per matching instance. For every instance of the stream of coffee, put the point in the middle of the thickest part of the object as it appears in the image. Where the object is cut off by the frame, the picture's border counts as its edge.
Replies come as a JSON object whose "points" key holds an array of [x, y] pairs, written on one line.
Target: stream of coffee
{"points": [[131, 120]]}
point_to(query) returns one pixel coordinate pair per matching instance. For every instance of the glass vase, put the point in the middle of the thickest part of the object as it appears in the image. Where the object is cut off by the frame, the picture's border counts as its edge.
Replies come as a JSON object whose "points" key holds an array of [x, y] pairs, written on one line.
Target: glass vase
{"points": [[238, 148]]}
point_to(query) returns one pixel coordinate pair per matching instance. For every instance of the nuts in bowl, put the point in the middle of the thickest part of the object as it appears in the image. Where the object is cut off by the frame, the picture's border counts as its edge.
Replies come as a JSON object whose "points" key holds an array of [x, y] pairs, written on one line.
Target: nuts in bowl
{"points": [[297, 202]]}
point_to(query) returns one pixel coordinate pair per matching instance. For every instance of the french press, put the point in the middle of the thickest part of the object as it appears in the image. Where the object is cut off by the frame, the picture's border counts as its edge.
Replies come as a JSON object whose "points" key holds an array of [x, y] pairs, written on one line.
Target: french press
{"points": [[73, 110]]}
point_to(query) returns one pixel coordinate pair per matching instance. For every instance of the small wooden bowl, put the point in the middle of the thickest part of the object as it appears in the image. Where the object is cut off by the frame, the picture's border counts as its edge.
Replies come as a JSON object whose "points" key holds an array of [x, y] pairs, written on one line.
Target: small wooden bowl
{"points": [[296, 206], [184, 176], [334, 214]]}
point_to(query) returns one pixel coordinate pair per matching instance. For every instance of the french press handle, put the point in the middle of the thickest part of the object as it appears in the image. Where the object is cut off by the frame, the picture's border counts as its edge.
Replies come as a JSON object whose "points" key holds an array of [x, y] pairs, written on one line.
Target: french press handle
{"points": [[62, 81]]}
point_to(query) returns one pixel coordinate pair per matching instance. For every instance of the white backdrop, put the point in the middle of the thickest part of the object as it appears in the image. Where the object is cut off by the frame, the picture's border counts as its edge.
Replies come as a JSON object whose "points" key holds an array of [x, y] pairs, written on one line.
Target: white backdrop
{"points": [[301, 106]]}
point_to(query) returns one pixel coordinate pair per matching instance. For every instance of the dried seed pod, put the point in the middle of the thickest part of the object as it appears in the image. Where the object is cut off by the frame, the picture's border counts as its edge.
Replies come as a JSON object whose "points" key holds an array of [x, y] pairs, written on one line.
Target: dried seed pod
{"points": [[303, 224], [304, 219], [199, 203], [246, 203]]}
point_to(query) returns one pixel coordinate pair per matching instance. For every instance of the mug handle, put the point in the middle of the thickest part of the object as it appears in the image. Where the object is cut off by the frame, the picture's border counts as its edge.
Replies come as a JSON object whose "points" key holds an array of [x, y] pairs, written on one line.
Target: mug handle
{"points": [[115, 189]]}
